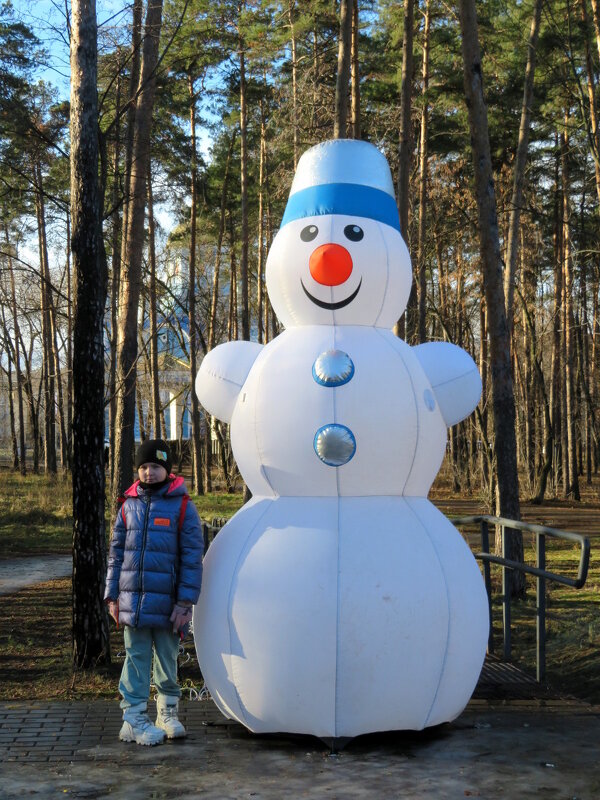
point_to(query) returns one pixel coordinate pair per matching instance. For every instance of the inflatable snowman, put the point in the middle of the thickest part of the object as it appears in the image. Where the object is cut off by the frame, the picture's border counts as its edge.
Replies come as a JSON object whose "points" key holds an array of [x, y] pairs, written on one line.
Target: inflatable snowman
{"points": [[339, 600]]}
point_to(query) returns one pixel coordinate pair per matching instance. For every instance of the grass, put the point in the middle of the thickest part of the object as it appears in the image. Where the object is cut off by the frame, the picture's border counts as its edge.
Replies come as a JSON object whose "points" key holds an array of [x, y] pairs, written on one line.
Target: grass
{"points": [[35, 623], [35, 647], [572, 626], [213, 505], [36, 513]]}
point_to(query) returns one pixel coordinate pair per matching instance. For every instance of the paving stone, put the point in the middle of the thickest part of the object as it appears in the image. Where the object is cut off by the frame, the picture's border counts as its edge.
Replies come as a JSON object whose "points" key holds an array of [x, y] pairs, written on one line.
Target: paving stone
{"points": [[496, 749]]}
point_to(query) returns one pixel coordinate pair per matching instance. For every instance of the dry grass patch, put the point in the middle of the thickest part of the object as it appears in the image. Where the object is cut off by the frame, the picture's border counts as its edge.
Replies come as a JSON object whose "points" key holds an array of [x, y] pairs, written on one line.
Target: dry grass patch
{"points": [[36, 647], [35, 515]]}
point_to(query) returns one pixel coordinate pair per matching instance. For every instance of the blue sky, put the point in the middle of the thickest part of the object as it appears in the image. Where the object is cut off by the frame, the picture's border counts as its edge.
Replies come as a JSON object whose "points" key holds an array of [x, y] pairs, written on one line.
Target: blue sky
{"points": [[47, 19]]}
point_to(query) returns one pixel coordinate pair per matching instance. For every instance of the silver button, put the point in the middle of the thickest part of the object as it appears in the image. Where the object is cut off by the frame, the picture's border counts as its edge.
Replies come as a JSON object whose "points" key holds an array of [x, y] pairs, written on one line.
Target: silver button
{"points": [[333, 368], [334, 444]]}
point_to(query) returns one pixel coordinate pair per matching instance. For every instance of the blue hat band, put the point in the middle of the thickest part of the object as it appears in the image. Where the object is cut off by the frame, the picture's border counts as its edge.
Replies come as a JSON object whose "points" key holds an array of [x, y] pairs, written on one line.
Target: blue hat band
{"points": [[350, 199]]}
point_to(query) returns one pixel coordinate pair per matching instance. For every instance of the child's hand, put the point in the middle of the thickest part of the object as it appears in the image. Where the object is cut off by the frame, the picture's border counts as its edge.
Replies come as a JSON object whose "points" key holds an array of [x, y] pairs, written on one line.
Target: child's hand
{"points": [[113, 609], [180, 617]]}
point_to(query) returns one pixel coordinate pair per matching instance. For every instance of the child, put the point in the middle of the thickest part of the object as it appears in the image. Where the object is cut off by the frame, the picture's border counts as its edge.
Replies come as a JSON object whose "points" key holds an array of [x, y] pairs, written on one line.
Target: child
{"points": [[153, 580]]}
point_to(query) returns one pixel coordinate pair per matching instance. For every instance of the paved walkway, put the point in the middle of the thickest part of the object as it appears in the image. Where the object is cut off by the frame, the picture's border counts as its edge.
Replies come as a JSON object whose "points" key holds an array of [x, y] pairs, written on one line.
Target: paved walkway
{"points": [[527, 749], [17, 573], [527, 745]]}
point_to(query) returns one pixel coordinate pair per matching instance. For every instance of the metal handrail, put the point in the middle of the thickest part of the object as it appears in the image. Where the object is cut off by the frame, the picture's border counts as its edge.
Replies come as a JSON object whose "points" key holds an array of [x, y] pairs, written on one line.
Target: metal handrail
{"points": [[210, 531], [540, 572]]}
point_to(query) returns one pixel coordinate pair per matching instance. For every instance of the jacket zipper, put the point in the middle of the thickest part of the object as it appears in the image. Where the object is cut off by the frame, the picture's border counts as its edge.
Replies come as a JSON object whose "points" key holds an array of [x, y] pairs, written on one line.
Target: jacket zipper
{"points": [[141, 571]]}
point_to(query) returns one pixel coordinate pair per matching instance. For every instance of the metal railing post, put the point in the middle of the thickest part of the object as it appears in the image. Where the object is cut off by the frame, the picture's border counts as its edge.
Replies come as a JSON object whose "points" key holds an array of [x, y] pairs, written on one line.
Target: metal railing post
{"points": [[541, 608], [508, 564], [205, 537], [485, 546], [506, 591]]}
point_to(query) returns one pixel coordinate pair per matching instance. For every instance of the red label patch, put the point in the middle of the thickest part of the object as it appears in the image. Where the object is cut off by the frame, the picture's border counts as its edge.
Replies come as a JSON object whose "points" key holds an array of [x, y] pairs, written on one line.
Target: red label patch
{"points": [[162, 521]]}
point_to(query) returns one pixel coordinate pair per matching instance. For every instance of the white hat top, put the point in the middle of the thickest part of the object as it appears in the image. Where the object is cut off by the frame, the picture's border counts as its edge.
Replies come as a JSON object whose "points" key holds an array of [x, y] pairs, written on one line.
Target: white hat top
{"points": [[343, 161], [343, 176]]}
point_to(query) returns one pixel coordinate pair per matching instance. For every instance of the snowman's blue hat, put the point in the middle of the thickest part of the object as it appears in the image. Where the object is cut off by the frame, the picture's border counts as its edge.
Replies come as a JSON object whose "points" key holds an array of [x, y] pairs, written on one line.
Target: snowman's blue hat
{"points": [[343, 176]]}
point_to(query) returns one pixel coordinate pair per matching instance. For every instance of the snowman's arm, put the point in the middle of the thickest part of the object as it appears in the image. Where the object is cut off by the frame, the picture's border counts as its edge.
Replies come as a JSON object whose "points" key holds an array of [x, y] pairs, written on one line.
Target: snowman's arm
{"points": [[453, 376], [222, 374]]}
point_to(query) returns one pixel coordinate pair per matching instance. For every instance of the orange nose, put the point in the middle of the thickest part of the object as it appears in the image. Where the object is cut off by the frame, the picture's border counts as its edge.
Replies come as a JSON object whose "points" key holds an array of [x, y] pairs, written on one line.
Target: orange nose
{"points": [[330, 264]]}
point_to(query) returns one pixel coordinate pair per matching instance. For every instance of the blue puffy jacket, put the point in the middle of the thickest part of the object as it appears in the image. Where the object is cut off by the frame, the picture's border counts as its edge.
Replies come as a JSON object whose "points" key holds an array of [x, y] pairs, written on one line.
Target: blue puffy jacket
{"points": [[152, 565]]}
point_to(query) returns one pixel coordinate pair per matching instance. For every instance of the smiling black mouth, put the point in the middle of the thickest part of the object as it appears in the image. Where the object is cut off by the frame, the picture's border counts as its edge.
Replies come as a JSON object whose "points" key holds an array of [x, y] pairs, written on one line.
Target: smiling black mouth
{"points": [[331, 306]]}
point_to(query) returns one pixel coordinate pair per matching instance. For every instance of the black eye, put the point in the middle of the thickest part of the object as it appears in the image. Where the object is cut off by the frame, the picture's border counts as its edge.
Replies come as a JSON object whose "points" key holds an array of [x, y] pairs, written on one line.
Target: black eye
{"points": [[309, 233], [354, 233]]}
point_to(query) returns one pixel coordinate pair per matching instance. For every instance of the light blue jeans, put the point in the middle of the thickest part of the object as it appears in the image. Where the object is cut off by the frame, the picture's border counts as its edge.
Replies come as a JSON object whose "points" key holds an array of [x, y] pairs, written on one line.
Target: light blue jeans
{"points": [[134, 685]]}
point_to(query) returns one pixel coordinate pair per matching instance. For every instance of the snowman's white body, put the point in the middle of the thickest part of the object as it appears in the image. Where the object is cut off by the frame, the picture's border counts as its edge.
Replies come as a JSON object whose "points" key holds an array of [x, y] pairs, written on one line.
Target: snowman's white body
{"points": [[400, 441], [339, 600]]}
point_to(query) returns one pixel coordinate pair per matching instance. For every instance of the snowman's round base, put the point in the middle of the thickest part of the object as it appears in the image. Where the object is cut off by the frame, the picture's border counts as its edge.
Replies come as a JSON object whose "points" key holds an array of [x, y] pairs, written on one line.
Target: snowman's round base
{"points": [[364, 614]]}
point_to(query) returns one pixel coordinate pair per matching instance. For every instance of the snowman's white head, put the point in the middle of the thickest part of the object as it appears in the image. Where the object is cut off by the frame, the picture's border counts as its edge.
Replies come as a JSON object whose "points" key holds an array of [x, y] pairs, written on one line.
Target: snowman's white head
{"points": [[339, 258]]}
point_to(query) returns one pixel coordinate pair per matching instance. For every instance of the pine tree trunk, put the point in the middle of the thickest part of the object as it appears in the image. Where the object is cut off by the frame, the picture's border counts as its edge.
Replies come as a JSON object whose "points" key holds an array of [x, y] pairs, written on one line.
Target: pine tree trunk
{"points": [[502, 384], [18, 375], [547, 455], [564, 431], [519, 169], [140, 413], [355, 74], [45, 301], [340, 121], [34, 418], [594, 359], [569, 372], [116, 297], [132, 264], [584, 370], [483, 417], [315, 117], [529, 293], [117, 243], [291, 9], [212, 328], [405, 150], [421, 271], [154, 374], [134, 86], [232, 319], [268, 312], [245, 309], [69, 342], [11, 400], [591, 89], [596, 18], [90, 621], [261, 250], [64, 449], [197, 482], [556, 384], [442, 279], [11, 406]]}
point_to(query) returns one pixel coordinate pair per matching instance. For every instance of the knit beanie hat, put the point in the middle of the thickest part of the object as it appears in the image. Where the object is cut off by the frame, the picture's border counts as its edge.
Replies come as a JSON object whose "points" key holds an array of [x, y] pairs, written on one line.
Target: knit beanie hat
{"points": [[154, 451]]}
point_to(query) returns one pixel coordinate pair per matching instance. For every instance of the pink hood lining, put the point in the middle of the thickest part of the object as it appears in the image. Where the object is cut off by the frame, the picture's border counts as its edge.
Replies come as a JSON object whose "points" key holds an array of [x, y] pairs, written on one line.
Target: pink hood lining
{"points": [[175, 484]]}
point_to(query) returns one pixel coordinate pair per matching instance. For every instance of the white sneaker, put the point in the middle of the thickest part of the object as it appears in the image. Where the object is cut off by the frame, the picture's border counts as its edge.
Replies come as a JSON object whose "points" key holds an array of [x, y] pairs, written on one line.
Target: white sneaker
{"points": [[166, 717], [138, 728]]}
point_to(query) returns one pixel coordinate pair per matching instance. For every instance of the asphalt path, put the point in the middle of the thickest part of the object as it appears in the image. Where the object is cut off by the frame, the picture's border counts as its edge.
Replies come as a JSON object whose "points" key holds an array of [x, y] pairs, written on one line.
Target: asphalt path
{"points": [[17, 573]]}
